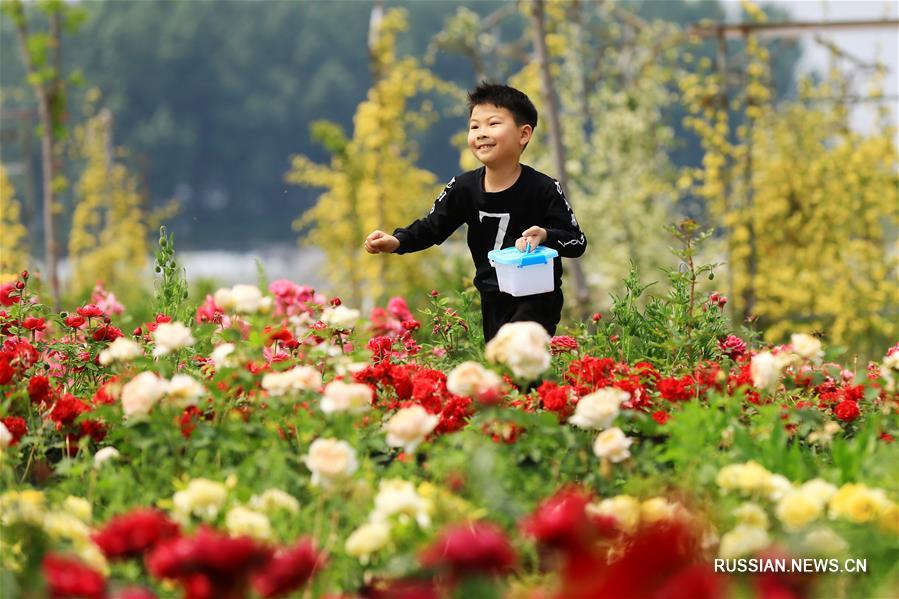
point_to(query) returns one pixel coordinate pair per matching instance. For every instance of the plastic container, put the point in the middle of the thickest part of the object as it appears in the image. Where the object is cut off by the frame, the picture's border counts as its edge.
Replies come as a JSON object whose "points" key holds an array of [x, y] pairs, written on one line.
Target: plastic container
{"points": [[524, 273]]}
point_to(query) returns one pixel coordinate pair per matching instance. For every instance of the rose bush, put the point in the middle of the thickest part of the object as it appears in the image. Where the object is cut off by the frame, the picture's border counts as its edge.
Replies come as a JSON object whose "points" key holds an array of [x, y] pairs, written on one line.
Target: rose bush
{"points": [[277, 442]]}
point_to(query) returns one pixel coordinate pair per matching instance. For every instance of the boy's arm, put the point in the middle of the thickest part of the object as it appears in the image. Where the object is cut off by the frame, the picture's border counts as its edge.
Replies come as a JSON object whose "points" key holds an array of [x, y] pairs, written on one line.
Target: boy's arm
{"points": [[446, 215], [562, 231]]}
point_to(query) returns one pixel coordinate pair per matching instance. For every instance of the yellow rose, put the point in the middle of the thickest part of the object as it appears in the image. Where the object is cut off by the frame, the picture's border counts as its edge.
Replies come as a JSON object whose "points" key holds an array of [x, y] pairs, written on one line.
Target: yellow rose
{"points": [[857, 503], [751, 514], [743, 540], [243, 521], [367, 539], [623, 508], [797, 509]]}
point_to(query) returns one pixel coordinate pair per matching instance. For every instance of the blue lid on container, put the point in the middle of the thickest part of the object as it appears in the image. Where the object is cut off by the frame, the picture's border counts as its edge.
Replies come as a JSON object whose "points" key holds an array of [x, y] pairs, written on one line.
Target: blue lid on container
{"points": [[511, 256]]}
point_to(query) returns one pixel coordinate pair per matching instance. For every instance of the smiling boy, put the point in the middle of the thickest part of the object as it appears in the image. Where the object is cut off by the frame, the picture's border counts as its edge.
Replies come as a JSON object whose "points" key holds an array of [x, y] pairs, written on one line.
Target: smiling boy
{"points": [[504, 203]]}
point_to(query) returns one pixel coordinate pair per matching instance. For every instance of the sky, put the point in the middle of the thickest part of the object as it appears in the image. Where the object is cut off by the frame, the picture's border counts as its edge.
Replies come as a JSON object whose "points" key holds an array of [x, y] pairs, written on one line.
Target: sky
{"points": [[873, 44]]}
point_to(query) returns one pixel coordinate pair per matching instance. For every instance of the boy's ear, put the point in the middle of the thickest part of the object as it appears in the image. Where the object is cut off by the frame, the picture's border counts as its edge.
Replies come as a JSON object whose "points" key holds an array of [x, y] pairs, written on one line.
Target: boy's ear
{"points": [[525, 133]]}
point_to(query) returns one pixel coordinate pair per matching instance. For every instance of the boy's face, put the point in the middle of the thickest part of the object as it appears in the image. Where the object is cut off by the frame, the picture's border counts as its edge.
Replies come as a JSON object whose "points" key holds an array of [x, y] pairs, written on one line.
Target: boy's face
{"points": [[493, 136]]}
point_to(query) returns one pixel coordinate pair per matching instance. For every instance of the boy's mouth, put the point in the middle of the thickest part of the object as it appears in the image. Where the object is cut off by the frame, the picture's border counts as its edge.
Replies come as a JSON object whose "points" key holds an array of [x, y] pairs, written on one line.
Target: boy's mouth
{"points": [[485, 146]]}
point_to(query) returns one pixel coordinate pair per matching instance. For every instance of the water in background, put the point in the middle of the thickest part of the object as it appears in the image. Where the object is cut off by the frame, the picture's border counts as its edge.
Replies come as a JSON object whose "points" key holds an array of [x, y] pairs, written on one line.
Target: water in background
{"points": [[280, 261]]}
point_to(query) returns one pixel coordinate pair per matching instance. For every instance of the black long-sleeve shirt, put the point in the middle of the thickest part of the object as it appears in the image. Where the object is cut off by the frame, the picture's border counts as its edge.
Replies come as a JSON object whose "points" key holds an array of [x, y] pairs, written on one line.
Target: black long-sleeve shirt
{"points": [[496, 219]]}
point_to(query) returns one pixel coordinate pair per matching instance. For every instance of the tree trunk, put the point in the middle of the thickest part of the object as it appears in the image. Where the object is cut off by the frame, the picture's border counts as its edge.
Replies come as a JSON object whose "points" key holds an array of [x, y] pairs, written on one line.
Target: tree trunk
{"points": [[45, 92], [582, 294]]}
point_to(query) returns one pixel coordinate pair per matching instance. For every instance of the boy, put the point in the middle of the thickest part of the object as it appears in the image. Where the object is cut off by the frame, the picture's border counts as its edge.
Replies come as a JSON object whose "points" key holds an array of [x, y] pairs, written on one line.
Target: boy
{"points": [[504, 203]]}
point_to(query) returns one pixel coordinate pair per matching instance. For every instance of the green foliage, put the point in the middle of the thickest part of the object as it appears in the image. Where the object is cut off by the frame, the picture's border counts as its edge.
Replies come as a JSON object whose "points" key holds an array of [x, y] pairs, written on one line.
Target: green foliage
{"points": [[171, 285], [672, 329]]}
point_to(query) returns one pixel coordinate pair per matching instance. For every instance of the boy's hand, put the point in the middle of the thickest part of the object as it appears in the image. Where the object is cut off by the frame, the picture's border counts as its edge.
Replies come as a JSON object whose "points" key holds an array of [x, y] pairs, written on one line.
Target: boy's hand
{"points": [[379, 241], [535, 235]]}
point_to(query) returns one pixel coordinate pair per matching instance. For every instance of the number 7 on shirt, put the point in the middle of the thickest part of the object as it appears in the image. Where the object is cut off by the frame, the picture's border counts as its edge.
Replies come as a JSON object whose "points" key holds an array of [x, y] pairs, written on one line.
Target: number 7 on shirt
{"points": [[503, 218]]}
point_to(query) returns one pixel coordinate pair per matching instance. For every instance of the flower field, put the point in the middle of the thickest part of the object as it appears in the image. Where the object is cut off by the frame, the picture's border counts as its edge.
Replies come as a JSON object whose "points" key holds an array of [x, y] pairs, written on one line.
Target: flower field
{"points": [[279, 443]]}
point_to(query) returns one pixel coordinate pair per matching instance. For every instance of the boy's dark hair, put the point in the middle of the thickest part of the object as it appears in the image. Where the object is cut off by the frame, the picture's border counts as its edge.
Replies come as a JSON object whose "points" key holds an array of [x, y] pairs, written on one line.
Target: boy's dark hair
{"points": [[513, 100]]}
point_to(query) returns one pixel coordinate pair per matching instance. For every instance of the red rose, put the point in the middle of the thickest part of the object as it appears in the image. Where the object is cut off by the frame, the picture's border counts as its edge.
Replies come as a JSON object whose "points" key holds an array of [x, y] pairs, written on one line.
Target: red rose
{"points": [[90, 311], [562, 344], [20, 352], [134, 593], [288, 570], [8, 296], [847, 410], [132, 534], [561, 520], [208, 564], [672, 389], [68, 577], [74, 320], [39, 389], [475, 548], [596, 317], [16, 426], [107, 333], [66, 410], [661, 416], [33, 323], [6, 371], [732, 346]]}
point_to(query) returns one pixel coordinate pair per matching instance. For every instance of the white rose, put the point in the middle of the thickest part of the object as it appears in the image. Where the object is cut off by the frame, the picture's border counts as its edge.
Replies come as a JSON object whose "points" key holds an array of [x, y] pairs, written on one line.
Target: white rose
{"points": [[777, 486], [105, 455], [224, 299], [806, 346], [409, 427], [298, 378], [220, 356], [400, 497], [522, 346], [202, 497], [340, 317], [470, 379], [247, 299], [824, 541], [330, 460], [346, 397], [5, 436], [743, 540], [890, 371], [185, 390], [367, 539], [170, 336], [819, 489], [613, 445], [765, 370], [121, 350], [275, 499], [599, 409], [348, 368], [141, 393], [243, 521]]}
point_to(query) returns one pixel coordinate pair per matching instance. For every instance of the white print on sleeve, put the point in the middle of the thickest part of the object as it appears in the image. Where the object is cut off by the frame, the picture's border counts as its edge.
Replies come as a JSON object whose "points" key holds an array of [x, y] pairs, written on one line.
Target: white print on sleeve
{"points": [[567, 205], [501, 227], [442, 194]]}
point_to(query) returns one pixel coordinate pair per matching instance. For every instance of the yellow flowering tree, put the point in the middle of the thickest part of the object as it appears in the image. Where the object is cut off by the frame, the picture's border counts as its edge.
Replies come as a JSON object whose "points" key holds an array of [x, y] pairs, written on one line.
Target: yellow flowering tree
{"points": [[808, 206], [108, 239], [13, 253], [372, 181]]}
